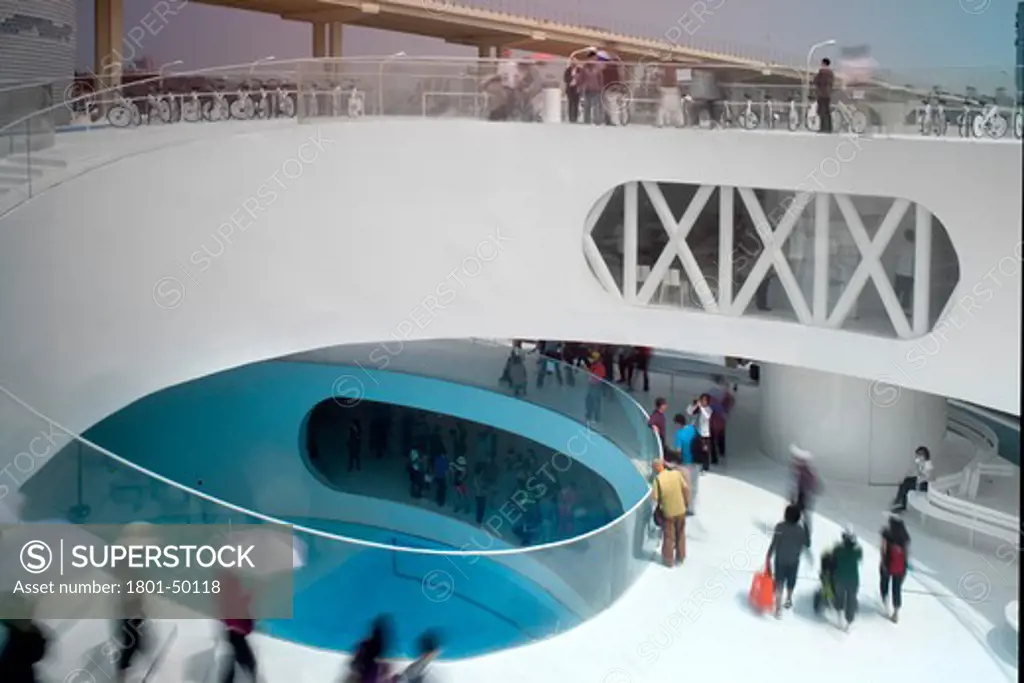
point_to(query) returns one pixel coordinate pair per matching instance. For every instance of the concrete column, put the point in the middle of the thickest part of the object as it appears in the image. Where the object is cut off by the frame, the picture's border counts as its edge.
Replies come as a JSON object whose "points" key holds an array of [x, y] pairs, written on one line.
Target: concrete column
{"points": [[109, 33], [862, 431], [335, 42], [319, 40]]}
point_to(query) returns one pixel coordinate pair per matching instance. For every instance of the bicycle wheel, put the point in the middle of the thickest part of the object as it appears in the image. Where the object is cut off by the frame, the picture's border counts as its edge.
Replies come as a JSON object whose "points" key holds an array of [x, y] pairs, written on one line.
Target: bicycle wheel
{"points": [[926, 126], [858, 122], [942, 125], [998, 126], [119, 116], [813, 123], [794, 122], [191, 111], [355, 107], [978, 126], [748, 121], [239, 109], [287, 107], [1018, 123]]}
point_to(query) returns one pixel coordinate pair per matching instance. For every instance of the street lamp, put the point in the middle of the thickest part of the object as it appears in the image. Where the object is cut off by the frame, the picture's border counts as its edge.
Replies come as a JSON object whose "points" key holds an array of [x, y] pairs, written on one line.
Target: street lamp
{"points": [[810, 56], [380, 81]]}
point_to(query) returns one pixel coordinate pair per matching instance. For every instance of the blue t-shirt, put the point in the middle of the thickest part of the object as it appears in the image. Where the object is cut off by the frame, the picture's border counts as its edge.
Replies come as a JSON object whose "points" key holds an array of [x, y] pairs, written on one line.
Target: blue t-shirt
{"points": [[684, 441]]}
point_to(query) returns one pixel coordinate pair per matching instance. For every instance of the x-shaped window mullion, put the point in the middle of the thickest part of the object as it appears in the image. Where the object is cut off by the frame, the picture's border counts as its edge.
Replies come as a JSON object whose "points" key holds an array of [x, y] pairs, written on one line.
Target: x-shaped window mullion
{"points": [[677, 233], [871, 264], [772, 255]]}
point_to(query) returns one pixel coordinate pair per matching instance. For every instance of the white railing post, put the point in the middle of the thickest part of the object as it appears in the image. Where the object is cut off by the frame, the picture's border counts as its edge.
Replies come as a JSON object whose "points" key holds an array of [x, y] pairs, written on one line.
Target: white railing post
{"points": [[819, 294], [630, 207], [726, 232], [922, 269]]}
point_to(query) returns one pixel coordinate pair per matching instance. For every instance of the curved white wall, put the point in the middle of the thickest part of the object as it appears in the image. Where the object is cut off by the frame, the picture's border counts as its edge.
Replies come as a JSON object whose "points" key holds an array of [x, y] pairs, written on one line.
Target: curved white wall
{"points": [[843, 419], [363, 231]]}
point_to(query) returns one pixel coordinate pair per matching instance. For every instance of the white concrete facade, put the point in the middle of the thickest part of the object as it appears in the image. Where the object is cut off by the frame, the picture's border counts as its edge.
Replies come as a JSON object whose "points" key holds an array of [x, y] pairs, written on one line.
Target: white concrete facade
{"points": [[856, 431], [172, 264]]}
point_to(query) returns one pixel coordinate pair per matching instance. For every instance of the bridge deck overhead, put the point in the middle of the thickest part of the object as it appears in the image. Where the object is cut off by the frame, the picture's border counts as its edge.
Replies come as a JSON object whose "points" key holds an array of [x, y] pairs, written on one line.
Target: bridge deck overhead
{"points": [[474, 26]]}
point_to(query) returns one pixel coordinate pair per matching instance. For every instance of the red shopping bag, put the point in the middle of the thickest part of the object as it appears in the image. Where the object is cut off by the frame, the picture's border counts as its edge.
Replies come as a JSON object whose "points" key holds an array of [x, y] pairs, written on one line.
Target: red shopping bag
{"points": [[762, 591]]}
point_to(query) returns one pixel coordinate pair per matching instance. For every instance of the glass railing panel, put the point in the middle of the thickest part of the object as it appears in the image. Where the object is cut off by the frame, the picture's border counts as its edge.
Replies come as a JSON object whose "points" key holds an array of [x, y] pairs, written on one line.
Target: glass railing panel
{"points": [[598, 405], [480, 596]]}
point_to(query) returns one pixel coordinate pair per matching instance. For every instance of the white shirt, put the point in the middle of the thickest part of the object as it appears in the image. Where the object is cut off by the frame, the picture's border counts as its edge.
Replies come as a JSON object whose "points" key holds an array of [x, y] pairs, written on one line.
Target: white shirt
{"points": [[924, 470], [905, 266], [703, 414], [508, 72]]}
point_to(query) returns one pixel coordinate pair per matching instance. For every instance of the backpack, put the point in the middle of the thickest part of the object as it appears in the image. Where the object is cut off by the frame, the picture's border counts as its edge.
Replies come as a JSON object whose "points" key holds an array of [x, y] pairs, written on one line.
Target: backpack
{"points": [[897, 560]]}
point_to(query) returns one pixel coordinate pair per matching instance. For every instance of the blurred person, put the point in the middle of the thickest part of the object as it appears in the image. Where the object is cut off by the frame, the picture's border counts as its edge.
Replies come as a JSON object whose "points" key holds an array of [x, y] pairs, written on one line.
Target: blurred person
{"points": [[355, 445], [916, 480], [847, 556], [429, 646], [670, 104], [894, 556], [550, 353], [789, 541], [529, 87], [130, 633], [657, 420], [479, 482], [366, 665], [238, 625], [823, 83], [590, 88], [626, 363], [571, 80], [805, 482], [459, 477], [440, 475], [24, 646], [509, 75], [717, 427], [595, 388], [701, 411], [614, 92], [686, 436], [670, 497], [417, 474], [641, 363]]}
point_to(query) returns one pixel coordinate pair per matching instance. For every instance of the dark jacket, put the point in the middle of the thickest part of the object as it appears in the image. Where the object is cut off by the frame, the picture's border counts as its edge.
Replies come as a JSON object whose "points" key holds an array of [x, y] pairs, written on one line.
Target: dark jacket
{"points": [[823, 82], [847, 556], [788, 541]]}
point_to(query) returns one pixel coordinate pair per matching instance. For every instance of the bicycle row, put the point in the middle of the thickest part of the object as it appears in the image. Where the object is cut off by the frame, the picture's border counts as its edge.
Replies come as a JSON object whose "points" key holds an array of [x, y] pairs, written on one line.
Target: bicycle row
{"points": [[973, 119], [219, 105]]}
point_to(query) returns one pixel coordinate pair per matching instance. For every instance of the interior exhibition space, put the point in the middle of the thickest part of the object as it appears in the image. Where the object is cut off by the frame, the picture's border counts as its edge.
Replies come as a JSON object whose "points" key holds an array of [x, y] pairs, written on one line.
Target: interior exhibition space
{"points": [[426, 349]]}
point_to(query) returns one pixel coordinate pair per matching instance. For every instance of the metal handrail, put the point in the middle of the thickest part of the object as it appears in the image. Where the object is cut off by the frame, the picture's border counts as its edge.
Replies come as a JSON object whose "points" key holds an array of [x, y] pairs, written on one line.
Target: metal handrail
{"points": [[306, 67]]}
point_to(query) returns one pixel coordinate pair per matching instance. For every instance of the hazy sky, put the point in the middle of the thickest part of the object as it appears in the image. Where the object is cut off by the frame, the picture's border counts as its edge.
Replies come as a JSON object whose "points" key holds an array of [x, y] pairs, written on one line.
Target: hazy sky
{"points": [[905, 35]]}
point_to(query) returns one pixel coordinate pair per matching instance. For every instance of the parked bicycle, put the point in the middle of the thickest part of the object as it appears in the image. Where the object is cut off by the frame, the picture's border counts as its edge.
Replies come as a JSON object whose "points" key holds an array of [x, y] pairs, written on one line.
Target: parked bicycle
{"points": [[218, 109], [242, 107], [793, 117], [1018, 121], [748, 118], [124, 113], [990, 122]]}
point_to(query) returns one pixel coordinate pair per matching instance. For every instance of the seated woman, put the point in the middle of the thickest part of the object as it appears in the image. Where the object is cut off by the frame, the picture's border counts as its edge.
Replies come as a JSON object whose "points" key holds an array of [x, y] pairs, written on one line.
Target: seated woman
{"points": [[916, 480]]}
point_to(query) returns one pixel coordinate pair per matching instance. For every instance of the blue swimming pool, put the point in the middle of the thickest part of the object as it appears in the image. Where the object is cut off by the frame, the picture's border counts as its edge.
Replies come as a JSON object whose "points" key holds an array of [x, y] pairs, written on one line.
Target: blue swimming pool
{"points": [[478, 604]]}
